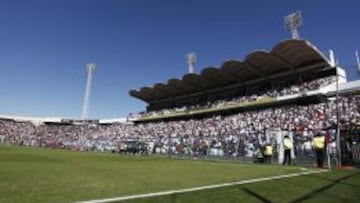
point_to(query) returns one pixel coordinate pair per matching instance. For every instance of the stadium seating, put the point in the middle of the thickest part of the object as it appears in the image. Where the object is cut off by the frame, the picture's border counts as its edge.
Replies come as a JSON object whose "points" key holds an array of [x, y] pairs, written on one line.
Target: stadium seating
{"points": [[237, 134]]}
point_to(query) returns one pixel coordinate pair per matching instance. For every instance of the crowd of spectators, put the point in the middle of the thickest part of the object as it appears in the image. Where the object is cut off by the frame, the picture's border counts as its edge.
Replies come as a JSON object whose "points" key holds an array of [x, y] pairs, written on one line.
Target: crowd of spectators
{"points": [[239, 134], [249, 97]]}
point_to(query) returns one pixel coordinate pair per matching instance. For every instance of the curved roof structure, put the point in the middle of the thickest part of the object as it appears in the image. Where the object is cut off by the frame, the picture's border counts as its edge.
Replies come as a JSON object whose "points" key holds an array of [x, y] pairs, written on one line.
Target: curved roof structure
{"points": [[289, 55]]}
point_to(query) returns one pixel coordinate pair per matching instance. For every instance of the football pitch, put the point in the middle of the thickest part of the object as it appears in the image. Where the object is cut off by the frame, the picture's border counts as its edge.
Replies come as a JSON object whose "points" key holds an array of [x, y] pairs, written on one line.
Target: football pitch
{"points": [[44, 175]]}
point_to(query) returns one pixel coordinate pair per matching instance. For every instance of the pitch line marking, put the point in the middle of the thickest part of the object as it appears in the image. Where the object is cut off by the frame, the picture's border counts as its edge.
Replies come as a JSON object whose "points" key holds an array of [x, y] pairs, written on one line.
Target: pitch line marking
{"points": [[170, 192]]}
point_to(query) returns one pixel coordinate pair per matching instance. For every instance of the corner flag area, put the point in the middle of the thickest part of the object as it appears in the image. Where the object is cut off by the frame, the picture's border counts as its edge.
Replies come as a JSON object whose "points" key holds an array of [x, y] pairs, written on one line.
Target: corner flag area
{"points": [[43, 175]]}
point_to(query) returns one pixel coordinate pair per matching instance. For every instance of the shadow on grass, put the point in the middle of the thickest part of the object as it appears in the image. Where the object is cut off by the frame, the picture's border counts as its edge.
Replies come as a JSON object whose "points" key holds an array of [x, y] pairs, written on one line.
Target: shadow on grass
{"points": [[256, 195], [356, 186], [324, 188]]}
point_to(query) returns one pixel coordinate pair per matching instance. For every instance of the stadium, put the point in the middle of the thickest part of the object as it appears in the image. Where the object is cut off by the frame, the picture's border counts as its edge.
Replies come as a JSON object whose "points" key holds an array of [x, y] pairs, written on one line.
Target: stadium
{"points": [[202, 138]]}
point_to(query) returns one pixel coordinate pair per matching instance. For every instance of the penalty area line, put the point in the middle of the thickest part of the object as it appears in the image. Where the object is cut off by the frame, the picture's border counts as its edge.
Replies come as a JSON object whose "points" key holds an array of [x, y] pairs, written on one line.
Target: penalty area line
{"points": [[170, 192]]}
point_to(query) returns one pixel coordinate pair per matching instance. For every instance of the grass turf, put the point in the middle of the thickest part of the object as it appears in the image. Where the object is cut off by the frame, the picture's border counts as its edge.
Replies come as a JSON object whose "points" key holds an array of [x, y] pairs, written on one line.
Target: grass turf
{"points": [[335, 186], [42, 175]]}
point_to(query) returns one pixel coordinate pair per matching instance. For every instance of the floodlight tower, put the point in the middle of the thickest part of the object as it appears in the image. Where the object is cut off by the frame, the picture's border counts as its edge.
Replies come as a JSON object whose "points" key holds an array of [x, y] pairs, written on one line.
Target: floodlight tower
{"points": [[357, 61], [292, 22], [190, 60], [90, 69]]}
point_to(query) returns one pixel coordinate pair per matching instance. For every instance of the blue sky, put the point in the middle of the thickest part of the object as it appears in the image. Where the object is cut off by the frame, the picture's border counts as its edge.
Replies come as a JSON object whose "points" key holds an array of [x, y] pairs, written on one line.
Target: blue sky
{"points": [[45, 44]]}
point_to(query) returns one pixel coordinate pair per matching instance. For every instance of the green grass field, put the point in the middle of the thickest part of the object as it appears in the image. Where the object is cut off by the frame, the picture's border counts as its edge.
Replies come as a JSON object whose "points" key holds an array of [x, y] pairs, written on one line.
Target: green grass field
{"points": [[43, 175]]}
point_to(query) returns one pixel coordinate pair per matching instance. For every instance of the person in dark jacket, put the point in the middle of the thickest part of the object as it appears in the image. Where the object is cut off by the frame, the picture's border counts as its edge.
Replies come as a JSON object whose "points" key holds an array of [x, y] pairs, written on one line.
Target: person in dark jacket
{"points": [[288, 145]]}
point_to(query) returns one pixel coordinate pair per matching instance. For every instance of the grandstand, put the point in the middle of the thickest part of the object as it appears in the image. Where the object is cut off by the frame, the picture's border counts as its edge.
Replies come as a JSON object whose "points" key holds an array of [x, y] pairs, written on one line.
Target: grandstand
{"points": [[227, 113], [293, 76], [292, 69]]}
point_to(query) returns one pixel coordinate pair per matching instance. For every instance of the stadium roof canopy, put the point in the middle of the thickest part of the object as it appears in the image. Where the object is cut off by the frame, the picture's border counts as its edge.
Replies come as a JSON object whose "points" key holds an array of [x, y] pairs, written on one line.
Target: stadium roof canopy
{"points": [[287, 56]]}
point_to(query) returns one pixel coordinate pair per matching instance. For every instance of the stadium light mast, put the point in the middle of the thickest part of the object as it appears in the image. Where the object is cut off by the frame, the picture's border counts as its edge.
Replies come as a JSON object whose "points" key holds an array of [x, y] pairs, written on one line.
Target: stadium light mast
{"points": [[357, 61], [338, 148], [334, 64], [292, 22], [190, 60], [332, 58], [90, 69]]}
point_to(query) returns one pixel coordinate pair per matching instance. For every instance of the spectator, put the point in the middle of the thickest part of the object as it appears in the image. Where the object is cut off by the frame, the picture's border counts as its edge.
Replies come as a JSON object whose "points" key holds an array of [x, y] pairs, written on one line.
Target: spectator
{"points": [[268, 152], [288, 145], [318, 144]]}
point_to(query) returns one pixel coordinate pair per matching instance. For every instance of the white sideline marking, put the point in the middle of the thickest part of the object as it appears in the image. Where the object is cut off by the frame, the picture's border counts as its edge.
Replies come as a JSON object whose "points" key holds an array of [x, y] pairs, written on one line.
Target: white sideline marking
{"points": [[170, 192]]}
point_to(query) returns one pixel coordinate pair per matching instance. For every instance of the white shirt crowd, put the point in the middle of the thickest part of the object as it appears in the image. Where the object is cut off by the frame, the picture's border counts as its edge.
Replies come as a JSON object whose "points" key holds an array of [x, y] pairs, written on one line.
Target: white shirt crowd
{"points": [[234, 135], [273, 93]]}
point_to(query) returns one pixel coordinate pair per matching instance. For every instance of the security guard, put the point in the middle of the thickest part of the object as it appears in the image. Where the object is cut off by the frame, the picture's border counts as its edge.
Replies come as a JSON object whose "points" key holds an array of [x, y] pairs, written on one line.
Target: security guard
{"points": [[287, 150], [268, 152], [318, 145]]}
